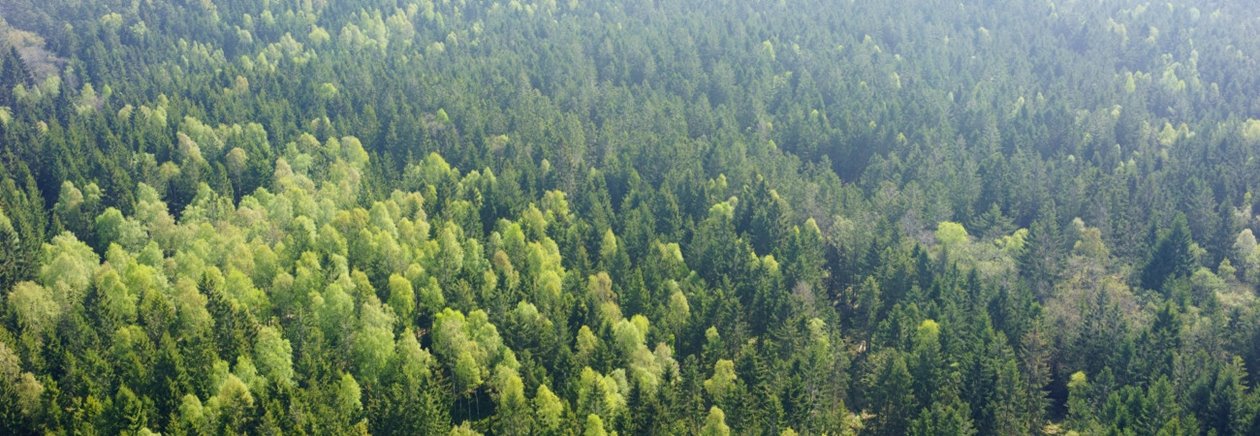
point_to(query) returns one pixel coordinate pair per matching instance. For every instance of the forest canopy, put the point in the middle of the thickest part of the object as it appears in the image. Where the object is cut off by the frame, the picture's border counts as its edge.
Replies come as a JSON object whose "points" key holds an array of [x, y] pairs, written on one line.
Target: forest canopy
{"points": [[595, 217]]}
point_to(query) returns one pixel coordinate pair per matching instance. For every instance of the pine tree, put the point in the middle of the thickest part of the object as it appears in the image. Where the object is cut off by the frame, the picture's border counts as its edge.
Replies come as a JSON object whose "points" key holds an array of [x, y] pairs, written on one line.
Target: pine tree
{"points": [[22, 209], [13, 72], [1171, 258], [1041, 260], [893, 402]]}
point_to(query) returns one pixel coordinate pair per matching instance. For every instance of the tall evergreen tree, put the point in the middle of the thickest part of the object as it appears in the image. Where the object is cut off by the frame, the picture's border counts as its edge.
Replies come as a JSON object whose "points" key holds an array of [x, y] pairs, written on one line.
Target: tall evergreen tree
{"points": [[1171, 257]]}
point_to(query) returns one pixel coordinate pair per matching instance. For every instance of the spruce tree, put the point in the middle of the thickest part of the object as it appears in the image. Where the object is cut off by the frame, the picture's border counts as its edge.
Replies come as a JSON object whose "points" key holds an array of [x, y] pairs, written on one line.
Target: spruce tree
{"points": [[1171, 258]]}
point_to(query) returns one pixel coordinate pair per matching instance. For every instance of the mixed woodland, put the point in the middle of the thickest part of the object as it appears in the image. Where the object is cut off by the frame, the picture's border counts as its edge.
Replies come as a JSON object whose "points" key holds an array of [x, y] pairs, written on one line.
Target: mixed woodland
{"points": [[517, 217]]}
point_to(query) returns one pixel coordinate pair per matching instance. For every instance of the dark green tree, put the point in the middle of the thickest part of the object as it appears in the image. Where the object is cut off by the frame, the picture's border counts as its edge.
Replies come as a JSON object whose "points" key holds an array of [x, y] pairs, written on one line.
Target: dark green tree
{"points": [[1171, 257]]}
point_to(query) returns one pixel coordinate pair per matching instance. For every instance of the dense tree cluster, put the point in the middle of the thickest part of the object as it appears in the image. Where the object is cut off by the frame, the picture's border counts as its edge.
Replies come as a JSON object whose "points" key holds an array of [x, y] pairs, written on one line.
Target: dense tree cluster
{"points": [[592, 217]]}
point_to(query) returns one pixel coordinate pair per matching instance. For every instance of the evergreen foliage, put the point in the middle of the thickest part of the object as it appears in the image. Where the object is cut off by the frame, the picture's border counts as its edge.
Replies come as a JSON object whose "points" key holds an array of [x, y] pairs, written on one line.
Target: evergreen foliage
{"points": [[595, 217]]}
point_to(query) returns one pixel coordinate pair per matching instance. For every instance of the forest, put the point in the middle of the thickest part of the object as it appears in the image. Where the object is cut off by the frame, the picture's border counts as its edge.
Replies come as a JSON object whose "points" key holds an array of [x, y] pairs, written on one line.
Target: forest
{"points": [[592, 217]]}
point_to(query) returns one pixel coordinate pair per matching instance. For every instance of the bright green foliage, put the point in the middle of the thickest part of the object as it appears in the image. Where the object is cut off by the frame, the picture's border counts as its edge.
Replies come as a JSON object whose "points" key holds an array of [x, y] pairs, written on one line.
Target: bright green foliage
{"points": [[1251, 131], [118, 302], [349, 394], [274, 356], [67, 268], [401, 296], [1080, 412], [550, 410], [928, 364], [715, 423], [951, 234], [373, 341], [467, 345], [594, 426], [598, 217], [602, 395], [513, 414], [463, 430], [229, 408], [723, 380], [34, 307], [1247, 253], [586, 342], [20, 392]]}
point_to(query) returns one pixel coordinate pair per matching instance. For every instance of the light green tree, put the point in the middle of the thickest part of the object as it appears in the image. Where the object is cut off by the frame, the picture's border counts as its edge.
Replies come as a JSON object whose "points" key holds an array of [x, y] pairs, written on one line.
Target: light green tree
{"points": [[467, 345], [715, 423], [373, 345], [401, 297], [951, 234], [549, 410], [36, 310], [274, 355], [723, 382], [594, 426], [67, 268]]}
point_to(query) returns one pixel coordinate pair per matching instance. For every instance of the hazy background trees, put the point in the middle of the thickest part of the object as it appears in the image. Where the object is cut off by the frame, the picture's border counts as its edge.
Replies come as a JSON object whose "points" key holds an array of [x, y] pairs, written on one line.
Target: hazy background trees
{"points": [[418, 217]]}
